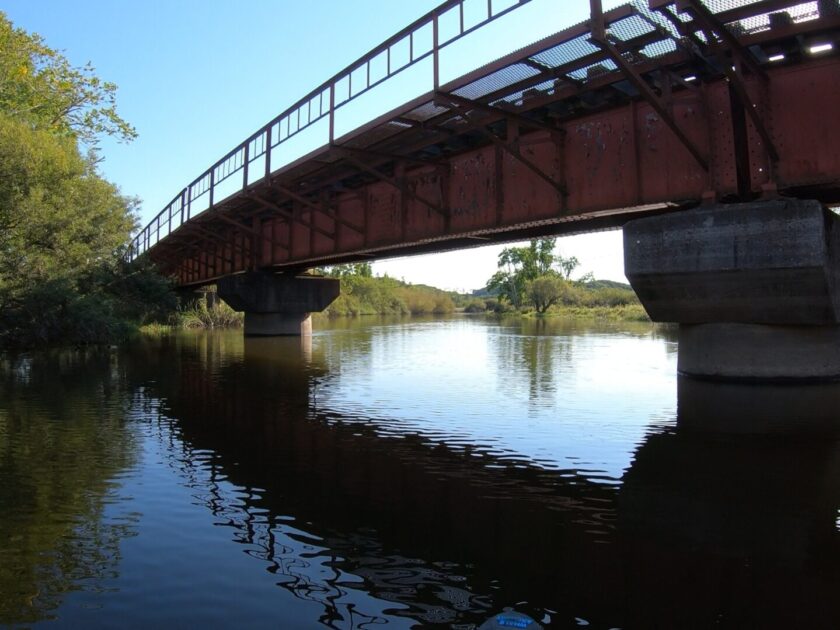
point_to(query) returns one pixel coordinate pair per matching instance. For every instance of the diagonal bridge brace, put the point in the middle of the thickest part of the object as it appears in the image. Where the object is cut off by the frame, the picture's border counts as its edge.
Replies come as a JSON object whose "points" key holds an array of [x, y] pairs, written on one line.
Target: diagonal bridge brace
{"points": [[395, 182], [246, 228], [290, 216], [326, 209], [510, 148], [708, 21], [715, 32], [390, 156], [599, 38], [181, 260], [453, 100], [218, 238]]}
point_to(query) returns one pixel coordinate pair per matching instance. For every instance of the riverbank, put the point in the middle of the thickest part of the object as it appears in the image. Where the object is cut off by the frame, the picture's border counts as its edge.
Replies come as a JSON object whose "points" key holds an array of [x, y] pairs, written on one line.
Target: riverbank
{"points": [[364, 296], [197, 315], [621, 313]]}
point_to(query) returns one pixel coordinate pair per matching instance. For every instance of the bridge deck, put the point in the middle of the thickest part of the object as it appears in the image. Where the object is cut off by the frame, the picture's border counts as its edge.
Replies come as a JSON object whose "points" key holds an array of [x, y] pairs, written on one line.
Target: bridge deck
{"points": [[650, 111]]}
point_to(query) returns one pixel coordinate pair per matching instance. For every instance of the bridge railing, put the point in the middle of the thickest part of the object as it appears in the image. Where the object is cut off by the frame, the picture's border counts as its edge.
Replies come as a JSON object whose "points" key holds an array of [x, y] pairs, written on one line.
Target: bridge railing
{"points": [[252, 160], [423, 41]]}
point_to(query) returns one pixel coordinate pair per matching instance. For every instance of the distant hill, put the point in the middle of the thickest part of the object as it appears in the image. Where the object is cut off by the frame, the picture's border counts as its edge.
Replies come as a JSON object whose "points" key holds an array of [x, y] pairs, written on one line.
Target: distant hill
{"points": [[607, 284], [484, 293]]}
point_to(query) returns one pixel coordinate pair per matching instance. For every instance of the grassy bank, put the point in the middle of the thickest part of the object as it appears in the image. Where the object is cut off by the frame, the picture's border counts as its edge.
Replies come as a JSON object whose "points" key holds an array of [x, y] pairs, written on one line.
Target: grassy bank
{"points": [[197, 315], [365, 295], [624, 313], [594, 300]]}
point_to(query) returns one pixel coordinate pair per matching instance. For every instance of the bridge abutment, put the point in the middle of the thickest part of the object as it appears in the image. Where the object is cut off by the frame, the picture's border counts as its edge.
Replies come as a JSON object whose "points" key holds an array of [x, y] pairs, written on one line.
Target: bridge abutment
{"points": [[277, 305], [755, 287]]}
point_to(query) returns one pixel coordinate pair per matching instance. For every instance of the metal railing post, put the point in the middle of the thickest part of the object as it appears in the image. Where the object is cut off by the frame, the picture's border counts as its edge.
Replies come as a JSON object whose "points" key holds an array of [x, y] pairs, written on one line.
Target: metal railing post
{"points": [[435, 51], [596, 23], [245, 159], [268, 152], [332, 112]]}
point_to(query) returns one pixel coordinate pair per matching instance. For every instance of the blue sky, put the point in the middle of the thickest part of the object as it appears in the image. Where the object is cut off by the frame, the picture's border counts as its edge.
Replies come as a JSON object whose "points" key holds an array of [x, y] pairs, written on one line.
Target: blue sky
{"points": [[196, 77]]}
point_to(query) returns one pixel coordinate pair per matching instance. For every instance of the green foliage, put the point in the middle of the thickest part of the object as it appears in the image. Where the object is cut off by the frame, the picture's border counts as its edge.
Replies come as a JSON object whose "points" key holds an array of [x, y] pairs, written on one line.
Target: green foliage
{"points": [[629, 313], [534, 276], [155, 329], [546, 290], [38, 85], [99, 304], [63, 232], [63, 228], [199, 315], [610, 296], [518, 266], [567, 265], [475, 305], [424, 300], [362, 294], [350, 270]]}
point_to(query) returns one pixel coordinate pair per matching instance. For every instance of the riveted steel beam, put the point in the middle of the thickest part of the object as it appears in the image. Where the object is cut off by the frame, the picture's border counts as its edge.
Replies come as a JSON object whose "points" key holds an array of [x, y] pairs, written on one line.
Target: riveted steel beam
{"points": [[397, 183], [600, 39]]}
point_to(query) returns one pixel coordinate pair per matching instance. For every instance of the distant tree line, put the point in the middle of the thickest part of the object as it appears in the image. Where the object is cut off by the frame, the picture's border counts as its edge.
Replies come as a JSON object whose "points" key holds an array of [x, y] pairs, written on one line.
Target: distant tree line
{"points": [[536, 278], [363, 294], [530, 278]]}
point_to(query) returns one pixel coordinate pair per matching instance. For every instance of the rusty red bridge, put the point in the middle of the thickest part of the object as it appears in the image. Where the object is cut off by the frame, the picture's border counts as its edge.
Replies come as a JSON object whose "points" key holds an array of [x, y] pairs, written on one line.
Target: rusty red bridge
{"points": [[681, 115]]}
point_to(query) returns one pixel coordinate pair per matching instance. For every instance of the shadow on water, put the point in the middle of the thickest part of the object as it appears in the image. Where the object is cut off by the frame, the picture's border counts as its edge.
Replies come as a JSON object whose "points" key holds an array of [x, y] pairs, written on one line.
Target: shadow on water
{"points": [[731, 531], [705, 529], [734, 513]]}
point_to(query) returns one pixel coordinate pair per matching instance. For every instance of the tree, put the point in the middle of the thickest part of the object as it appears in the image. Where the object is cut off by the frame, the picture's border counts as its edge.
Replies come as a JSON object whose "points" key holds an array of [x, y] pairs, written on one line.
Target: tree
{"points": [[63, 228], [519, 265], [40, 86], [349, 270], [567, 265], [57, 213], [545, 291]]}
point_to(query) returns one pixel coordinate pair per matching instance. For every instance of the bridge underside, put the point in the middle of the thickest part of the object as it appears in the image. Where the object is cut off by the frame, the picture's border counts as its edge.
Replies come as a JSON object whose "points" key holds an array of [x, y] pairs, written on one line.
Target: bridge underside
{"points": [[541, 144], [660, 116]]}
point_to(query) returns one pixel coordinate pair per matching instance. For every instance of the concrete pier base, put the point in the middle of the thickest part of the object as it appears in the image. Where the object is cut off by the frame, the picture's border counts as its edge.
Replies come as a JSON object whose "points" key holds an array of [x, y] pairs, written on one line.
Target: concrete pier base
{"points": [[750, 352], [277, 324], [755, 287], [278, 305]]}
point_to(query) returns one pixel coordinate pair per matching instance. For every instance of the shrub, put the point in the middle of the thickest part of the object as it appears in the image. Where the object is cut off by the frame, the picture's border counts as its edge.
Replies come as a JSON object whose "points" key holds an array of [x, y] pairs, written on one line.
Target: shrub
{"points": [[198, 315], [475, 306]]}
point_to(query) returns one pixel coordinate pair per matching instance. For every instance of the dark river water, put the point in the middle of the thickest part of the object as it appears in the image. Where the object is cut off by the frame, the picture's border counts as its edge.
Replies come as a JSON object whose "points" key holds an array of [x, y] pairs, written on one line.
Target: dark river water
{"points": [[409, 474]]}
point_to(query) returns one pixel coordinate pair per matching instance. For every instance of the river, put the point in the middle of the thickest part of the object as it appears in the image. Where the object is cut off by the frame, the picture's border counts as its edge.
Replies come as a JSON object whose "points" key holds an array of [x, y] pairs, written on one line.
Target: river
{"points": [[405, 473]]}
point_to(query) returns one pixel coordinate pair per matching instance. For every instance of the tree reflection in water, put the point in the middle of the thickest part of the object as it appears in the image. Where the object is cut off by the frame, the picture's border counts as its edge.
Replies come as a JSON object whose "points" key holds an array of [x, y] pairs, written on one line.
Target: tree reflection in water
{"points": [[63, 446]]}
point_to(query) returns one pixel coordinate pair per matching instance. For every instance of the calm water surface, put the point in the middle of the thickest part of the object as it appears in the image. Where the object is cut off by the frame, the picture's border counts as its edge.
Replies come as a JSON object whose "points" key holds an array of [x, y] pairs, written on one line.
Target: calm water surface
{"points": [[406, 474]]}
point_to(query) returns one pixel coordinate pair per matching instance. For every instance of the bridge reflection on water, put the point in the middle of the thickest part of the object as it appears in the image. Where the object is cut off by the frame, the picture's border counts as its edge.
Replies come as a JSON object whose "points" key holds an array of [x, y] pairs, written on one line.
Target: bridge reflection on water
{"points": [[375, 523]]}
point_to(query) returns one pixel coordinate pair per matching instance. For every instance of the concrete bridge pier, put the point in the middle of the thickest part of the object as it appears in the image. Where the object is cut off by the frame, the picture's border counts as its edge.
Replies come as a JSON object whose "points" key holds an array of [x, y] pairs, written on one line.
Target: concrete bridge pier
{"points": [[755, 287], [276, 305]]}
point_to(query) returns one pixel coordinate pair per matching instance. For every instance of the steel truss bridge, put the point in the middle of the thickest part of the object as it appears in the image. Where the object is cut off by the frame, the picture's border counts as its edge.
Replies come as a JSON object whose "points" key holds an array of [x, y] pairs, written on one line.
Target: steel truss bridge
{"points": [[655, 106]]}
